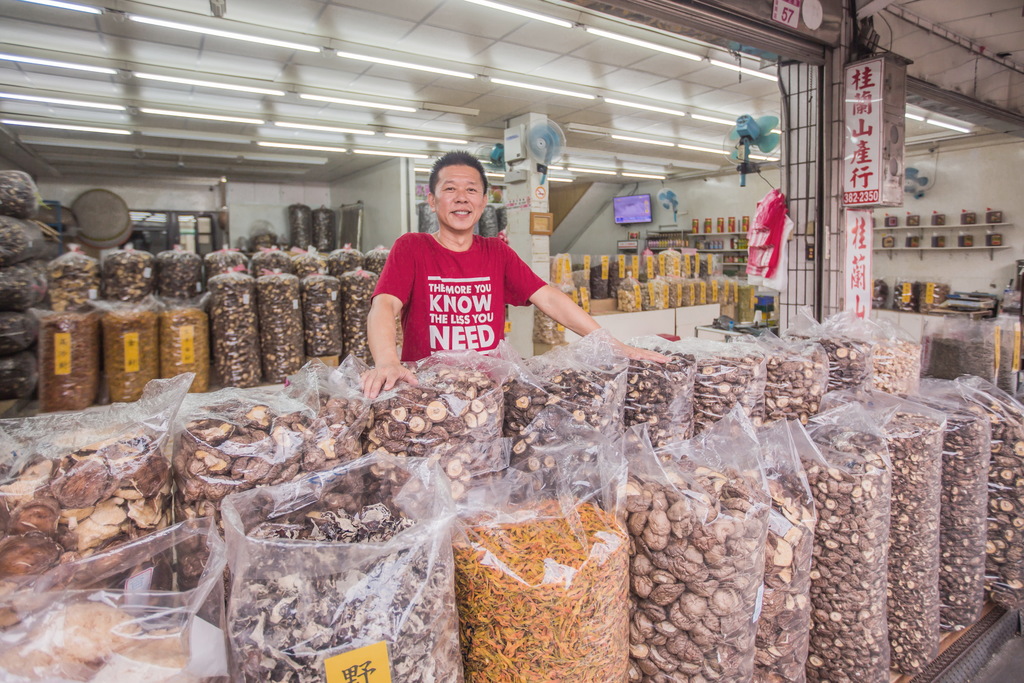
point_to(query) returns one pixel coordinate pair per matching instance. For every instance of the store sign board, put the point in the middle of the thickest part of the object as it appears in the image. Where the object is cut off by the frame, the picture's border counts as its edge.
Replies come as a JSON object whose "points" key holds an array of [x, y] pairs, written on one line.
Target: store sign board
{"points": [[857, 282], [786, 12], [862, 158]]}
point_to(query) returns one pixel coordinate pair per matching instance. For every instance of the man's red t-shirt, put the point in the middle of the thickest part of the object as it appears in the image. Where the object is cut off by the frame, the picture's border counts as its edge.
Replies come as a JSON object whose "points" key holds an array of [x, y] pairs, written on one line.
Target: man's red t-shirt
{"points": [[454, 300]]}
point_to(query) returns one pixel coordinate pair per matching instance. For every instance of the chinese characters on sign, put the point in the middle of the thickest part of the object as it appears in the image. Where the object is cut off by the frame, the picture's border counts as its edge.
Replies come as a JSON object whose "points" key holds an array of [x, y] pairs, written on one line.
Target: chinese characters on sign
{"points": [[786, 12], [369, 664], [863, 158], [858, 281]]}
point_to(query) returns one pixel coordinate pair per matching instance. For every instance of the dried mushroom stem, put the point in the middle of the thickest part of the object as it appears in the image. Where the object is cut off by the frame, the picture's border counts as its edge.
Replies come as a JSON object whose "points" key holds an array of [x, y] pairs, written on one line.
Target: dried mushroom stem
{"points": [[74, 281], [236, 350], [795, 385], [321, 315], [849, 363], [356, 293], [128, 275], [281, 341], [179, 274], [723, 382], [660, 396], [897, 366]]}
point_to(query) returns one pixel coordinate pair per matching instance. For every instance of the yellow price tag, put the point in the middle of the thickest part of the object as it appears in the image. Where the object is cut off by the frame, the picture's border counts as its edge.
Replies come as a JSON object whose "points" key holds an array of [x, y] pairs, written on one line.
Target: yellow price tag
{"points": [[675, 268], [584, 300], [622, 266], [711, 263], [650, 266], [586, 262], [714, 291], [369, 664], [679, 293], [693, 293], [187, 343], [999, 340], [560, 327], [508, 326], [661, 264], [703, 292], [575, 297], [636, 293], [650, 293], [1016, 347], [636, 265], [131, 352], [905, 291], [929, 293], [604, 267], [62, 353]]}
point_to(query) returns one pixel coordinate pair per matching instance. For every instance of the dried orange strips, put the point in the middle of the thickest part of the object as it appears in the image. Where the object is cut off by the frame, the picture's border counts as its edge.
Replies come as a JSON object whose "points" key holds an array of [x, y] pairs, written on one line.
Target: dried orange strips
{"points": [[537, 605]]}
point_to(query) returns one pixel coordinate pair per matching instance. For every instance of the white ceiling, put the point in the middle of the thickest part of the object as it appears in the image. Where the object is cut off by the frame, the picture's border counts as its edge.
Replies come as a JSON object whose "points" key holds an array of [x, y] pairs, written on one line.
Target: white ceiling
{"points": [[450, 34]]}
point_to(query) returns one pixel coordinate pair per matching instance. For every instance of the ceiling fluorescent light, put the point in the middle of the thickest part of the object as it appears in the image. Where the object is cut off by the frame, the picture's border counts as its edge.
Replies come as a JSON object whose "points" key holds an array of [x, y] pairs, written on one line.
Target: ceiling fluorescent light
{"points": [[647, 107], [326, 129], [61, 126], [542, 88], [57, 100], [556, 168], [59, 65], [714, 119], [357, 103], [204, 117], [523, 13], [380, 153], [285, 159], [492, 174], [421, 169], [627, 138], [428, 138], [644, 43], [404, 65], [697, 148], [599, 171], [288, 145], [651, 176], [222, 34], [777, 131], [950, 126], [744, 70], [67, 5], [556, 179], [208, 84], [76, 144], [758, 157], [913, 117]]}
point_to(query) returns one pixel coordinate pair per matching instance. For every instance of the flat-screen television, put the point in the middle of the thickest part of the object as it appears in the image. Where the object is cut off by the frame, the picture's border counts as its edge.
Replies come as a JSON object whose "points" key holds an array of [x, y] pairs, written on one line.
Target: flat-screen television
{"points": [[635, 208]]}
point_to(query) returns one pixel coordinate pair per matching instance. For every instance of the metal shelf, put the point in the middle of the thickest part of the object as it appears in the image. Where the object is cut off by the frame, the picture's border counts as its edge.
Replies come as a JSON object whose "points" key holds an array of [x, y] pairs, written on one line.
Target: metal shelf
{"points": [[943, 227], [922, 250], [701, 232], [720, 251]]}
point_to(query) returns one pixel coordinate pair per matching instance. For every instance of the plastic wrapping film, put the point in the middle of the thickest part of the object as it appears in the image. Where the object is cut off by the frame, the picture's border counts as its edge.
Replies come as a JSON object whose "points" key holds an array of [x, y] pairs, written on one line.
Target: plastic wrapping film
{"points": [[675, 291], [654, 294], [1008, 375], [955, 347], [1004, 563], [281, 340], [489, 226], [131, 351], [629, 296], [19, 196], [783, 626], [310, 262], [544, 444], [966, 453], [546, 330], [914, 438], [880, 294], [117, 616], [932, 295], [851, 483], [18, 331], [225, 261], [234, 331], [600, 282], [300, 226], [271, 260], [179, 274], [453, 415], [20, 240], [356, 296], [660, 395], [18, 375], [796, 377], [847, 341], [375, 259], [906, 295], [73, 279], [324, 229], [697, 519], [69, 360], [340, 261], [128, 275], [79, 483], [21, 287], [321, 315], [670, 263], [541, 567], [896, 359], [185, 344]]}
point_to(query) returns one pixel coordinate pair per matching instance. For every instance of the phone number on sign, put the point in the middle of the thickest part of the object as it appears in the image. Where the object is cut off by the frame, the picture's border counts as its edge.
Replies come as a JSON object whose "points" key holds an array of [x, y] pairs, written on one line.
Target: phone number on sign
{"points": [[862, 197]]}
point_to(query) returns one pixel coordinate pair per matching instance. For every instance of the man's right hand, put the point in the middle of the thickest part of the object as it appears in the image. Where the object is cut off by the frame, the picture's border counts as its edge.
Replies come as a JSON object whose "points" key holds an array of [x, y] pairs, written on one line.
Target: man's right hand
{"points": [[385, 377]]}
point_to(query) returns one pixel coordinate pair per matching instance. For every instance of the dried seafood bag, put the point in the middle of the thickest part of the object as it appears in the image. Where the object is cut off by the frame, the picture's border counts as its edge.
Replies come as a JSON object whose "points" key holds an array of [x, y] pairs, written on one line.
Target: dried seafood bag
{"points": [[783, 627], [966, 454], [453, 415], [18, 331], [281, 338], [355, 557], [300, 226], [18, 375], [848, 342], [541, 574], [117, 615], [270, 261], [1004, 562], [69, 360], [321, 315], [953, 347], [660, 395], [131, 351], [78, 483], [697, 519], [600, 277], [20, 240], [128, 275], [234, 331], [309, 262], [356, 296], [225, 261], [629, 295], [850, 478], [73, 279], [185, 342], [796, 378], [179, 274], [896, 359], [546, 330], [324, 229], [375, 259], [342, 260], [19, 196]]}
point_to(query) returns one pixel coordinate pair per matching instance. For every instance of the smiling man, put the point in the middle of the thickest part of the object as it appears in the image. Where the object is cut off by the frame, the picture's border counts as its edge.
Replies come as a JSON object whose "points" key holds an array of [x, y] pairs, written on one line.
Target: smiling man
{"points": [[451, 287]]}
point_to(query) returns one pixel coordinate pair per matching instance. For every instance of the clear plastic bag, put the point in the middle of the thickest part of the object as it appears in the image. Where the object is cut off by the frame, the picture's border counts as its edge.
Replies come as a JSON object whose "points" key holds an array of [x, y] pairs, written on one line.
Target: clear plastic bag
{"points": [[660, 395], [20, 240], [69, 360], [796, 378], [21, 287], [906, 296], [321, 315], [310, 262], [670, 263], [273, 260], [489, 222], [600, 282], [128, 275], [185, 344], [847, 341], [18, 331], [18, 375], [300, 226], [225, 261], [324, 229], [697, 518], [356, 296], [280, 315], [629, 295], [541, 567], [1008, 374], [546, 330], [654, 295], [375, 259], [19, 196], [179, 274], [953, 347], [880, 294], [546, 441], [131, 352], [262, 236], [234, 331], [896, 359], [340, 261], [117, 616], [79, 483], [380, 571], [851, 483], [74, 280]]}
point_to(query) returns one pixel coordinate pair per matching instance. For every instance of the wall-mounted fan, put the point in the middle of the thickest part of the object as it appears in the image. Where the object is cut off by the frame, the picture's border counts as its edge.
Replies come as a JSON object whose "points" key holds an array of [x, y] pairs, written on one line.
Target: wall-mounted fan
{"points": [[669, 200], [492, 156], [917, 183], [750, 132], [545, 142]]}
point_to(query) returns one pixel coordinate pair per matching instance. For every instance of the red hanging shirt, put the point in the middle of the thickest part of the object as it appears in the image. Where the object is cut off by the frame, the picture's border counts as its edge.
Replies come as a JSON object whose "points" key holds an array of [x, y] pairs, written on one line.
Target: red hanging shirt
{"points": [[454, 300]]}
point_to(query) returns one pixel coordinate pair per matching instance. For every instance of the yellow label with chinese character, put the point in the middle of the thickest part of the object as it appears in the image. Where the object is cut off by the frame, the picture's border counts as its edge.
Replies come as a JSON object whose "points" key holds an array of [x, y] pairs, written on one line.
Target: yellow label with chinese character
{"points": [[689, 264], [62, 353], [999, 340], [636, 293], [560, 327], [650, 266], [187, 343], [584, 299], [586, 262], [575, 297], [1015, 365], [693, 293], [508, 326], [650, 293], [711, 263], [604, 267], [661, 264], [675, 268], [714, 291], [369, 664], [905, 291], [622, 265], [703, 292], [636, 265], [679, 293], [131, 352], [929, 293]]}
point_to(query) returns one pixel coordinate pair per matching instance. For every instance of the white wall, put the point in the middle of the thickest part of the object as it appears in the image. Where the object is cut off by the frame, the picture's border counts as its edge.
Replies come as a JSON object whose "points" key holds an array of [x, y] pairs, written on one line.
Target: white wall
{"points": [[966, 179], [256, 205], [386, 192], [170, 195]]}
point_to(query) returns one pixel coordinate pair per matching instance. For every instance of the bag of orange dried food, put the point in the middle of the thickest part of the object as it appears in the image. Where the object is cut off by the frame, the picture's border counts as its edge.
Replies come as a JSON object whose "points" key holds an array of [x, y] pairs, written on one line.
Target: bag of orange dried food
{"points": [[541, 573]]}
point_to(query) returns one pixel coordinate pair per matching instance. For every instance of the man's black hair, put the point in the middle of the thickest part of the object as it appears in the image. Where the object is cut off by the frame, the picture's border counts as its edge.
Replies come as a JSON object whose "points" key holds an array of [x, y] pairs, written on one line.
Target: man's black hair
{"points": [[457, 158]]}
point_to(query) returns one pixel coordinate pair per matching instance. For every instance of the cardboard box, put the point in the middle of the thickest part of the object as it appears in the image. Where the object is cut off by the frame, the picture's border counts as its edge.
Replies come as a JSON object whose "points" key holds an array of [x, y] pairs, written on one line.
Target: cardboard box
{"points": [[599, 306]]}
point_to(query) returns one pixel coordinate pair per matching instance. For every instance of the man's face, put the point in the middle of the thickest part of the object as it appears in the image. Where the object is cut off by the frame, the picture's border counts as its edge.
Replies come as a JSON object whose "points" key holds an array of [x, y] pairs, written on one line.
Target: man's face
{"points": [[458, 198]]}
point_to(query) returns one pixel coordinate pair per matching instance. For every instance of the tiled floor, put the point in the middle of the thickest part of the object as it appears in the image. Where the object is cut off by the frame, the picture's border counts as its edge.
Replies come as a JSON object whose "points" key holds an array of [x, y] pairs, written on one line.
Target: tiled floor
{"points": [[1006, 666]]}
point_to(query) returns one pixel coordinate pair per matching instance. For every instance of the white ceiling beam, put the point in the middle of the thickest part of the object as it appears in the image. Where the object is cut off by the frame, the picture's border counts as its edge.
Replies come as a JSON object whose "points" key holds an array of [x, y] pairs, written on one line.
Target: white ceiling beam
{"points": [[866, 8]]}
